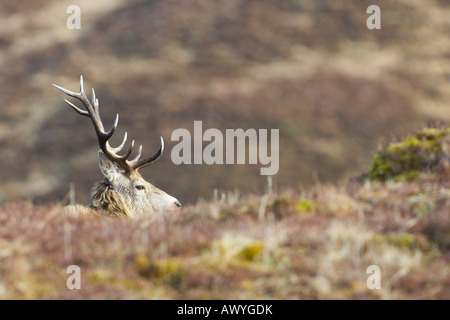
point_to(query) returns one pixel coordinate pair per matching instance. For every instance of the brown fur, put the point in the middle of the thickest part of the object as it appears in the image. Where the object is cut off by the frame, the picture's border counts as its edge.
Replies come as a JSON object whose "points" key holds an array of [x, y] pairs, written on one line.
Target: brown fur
{"points": [[108, 201]]}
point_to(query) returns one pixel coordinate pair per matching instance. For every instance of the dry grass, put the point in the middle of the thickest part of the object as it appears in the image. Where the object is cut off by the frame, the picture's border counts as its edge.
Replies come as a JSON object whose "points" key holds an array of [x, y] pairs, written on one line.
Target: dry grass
{"points": [[316, 244]]}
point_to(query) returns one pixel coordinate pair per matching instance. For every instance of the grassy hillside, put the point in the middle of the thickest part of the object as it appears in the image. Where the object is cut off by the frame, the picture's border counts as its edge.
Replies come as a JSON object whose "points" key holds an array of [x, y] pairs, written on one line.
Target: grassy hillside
{"points": [[314, 244], [309, 68]]}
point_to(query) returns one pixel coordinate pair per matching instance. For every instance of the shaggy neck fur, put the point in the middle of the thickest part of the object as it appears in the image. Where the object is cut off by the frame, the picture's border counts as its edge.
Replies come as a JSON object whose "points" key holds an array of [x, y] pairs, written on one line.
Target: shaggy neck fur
{"points": [[108, 201]]}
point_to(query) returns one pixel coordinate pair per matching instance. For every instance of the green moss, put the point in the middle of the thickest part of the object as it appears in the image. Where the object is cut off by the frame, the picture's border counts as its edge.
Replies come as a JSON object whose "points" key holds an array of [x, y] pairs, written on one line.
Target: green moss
{"points": [[405, 160], [142, 261], [168, 271], [107, 278], [286, 204], [30, 286], [101, 277], [223, 214], [251, 251], [407, 176], [381, 168], [303, 206], [403, 240]]}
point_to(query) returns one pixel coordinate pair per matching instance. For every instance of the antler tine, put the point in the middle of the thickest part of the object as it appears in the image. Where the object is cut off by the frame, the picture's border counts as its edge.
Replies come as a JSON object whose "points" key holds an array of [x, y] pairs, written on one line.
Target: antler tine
{"points": [[92, 111], [107, 135], [126, 155], [94, 100], [81, 85], [82, 112], [80, 96], [120, 147], [68, 92], [135, 159], [137, 163]]}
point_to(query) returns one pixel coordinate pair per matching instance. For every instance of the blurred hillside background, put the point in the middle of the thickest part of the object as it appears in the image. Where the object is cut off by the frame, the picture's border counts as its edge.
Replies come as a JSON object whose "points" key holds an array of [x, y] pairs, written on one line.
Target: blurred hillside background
{"points": [[312, 69]]}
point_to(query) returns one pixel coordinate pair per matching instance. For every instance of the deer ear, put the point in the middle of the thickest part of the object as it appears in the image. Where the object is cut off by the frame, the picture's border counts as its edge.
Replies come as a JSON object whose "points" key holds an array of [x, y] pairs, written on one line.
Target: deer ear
{"points": [[108, 168]]}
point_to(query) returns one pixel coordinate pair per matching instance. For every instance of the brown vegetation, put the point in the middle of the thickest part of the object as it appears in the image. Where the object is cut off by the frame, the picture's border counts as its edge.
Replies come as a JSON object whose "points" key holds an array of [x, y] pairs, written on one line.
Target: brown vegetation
{"points": [[315, 244]]}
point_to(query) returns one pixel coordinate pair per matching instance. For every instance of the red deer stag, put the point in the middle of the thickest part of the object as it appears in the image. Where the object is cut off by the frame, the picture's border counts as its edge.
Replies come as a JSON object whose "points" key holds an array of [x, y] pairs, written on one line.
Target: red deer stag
{"points": [[123, 191]]}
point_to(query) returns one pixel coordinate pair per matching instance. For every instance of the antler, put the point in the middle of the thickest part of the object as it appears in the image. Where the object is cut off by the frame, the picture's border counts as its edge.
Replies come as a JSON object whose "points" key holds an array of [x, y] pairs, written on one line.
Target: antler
{"points": [[92, 111]]}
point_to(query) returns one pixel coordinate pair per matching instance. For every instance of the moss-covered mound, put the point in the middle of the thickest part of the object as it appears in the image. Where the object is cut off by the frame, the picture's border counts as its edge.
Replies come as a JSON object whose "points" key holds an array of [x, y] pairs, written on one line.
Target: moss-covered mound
{"points": [[423, 152]]}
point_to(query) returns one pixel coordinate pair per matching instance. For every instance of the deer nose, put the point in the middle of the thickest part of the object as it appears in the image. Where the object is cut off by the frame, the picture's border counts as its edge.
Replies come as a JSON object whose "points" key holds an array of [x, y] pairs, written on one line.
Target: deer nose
{"points": [[178, 204]]}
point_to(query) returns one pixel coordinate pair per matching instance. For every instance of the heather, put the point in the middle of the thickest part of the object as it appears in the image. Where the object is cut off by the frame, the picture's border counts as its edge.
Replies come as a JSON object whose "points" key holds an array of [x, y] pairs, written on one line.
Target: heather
{"points": [[310, 244]]}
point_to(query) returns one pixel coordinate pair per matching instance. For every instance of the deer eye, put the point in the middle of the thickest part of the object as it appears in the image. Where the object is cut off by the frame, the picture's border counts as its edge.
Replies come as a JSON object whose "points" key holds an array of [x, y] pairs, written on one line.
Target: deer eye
{"points": [[140, 187]]}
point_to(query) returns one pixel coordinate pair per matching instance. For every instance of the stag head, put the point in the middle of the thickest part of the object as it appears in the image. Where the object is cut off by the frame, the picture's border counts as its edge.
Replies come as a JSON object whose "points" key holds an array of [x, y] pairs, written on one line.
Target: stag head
{"points": [[123, 191]]}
